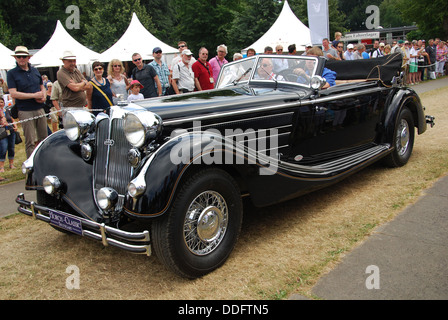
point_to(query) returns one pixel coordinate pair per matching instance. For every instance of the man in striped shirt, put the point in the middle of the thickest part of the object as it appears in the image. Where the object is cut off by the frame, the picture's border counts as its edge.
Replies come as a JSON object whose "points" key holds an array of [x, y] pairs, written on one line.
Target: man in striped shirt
{"points": [[161, 68]]}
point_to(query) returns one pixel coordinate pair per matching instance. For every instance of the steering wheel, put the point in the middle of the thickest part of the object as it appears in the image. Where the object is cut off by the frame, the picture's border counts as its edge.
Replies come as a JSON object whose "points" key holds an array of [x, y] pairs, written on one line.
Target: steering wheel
{"points": [[289, 75]]}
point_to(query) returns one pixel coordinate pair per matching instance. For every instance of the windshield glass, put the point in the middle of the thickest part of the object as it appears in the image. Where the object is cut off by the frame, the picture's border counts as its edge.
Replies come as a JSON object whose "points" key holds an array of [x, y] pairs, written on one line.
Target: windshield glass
{"points": [[235, 72], [282, 68]]}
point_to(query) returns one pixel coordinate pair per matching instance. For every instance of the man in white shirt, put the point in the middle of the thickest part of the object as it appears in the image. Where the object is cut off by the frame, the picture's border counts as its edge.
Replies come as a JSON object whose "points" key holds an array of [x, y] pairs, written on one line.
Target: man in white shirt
{"points": [[378, 52], [183, 75], [348, 54]]}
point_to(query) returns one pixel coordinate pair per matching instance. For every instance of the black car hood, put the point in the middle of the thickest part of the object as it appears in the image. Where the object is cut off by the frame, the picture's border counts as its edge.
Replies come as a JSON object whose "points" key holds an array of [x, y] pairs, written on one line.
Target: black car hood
{"points": [[218, 101]]}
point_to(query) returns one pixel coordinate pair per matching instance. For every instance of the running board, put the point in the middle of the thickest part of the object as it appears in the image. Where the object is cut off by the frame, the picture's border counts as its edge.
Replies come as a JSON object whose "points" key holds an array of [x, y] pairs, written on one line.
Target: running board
{"points": [[337, 166]]}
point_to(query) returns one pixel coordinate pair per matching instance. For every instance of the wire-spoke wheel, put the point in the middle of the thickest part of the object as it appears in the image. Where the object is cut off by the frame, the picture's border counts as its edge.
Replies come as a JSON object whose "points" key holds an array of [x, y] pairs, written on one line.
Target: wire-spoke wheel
{"points": [[200, 230], [205, 223]]}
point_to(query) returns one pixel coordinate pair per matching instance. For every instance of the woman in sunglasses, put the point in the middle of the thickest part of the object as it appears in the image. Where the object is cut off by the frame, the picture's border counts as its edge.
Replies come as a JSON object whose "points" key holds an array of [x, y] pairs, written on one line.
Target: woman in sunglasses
{"points": [[99, 95], [119, 83]]}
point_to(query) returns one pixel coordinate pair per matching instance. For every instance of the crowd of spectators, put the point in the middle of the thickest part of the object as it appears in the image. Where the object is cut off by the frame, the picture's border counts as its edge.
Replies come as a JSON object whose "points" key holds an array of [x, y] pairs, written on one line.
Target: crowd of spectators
{"points": [[421, 61]]}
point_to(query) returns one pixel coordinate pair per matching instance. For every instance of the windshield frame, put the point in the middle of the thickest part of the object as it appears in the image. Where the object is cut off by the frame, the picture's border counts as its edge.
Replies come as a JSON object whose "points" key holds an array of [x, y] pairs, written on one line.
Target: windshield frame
{"points": [[251, 76]]}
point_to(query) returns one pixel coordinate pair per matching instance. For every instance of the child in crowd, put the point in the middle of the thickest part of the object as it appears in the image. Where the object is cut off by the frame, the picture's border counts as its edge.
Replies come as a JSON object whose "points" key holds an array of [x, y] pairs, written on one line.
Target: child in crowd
{"points": [[135, 88]]}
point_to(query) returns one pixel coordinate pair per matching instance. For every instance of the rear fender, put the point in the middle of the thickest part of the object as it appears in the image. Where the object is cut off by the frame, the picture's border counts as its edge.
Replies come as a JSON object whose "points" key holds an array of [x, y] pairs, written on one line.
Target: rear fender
{"points": [[397, 101]]}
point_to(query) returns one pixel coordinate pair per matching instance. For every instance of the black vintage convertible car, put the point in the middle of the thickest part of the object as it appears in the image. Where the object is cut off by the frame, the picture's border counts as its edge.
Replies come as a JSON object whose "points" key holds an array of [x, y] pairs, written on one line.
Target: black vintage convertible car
{"points": [[168, 174]]}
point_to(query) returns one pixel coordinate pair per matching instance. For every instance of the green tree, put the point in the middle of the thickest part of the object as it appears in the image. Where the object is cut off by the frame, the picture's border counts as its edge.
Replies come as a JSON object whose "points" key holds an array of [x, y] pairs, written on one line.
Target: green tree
{"points": [[390, 15], [26, 22], [431, 16], [57, 10], [7, 38], [355, 12], [204, 23], [109, 21], [251, 20], [163, 17]]}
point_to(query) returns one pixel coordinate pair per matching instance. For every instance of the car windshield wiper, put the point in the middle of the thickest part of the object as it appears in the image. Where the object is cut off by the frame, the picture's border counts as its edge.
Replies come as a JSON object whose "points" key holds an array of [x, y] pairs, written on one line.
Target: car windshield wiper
{"points": [[271, 77], [235, 82]]}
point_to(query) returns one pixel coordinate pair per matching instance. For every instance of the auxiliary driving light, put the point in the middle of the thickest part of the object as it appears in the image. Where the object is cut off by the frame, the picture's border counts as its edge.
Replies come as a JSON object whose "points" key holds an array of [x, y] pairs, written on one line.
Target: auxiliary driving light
{"points": [[107, 198]]}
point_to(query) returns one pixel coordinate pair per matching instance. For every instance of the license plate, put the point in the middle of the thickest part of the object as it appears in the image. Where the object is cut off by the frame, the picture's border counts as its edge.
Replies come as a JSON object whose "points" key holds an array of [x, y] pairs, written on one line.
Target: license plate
{"points": [[61, 220]]}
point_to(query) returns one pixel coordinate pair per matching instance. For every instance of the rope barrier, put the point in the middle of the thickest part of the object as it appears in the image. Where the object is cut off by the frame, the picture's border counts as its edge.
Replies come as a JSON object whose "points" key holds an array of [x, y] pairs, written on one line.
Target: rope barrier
{"points": [[44, 115]]}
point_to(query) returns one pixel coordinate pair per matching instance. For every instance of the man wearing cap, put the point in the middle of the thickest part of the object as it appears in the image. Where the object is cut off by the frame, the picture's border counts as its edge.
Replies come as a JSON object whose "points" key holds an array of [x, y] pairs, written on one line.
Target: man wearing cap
{"points": [[307, 47], [378, 52], [349, 53], [72, 83], [161, 68], [147, 76], [183, 75], [27, 88]]}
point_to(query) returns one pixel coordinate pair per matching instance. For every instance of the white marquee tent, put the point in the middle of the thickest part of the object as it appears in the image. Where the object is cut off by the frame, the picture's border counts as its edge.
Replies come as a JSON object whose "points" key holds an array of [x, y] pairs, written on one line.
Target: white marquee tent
{"points": [[60, 41], [286, 30], [136, 39], [6, 60]]}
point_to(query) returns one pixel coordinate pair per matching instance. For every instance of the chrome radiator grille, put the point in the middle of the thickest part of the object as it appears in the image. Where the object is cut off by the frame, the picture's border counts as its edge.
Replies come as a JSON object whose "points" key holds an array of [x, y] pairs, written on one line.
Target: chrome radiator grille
{"points": [[112, 168]]}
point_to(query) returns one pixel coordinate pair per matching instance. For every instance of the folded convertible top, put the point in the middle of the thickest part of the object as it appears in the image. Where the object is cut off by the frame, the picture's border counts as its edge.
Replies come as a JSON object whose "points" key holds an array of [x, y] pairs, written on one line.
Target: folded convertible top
{"points": [[382, 68]]}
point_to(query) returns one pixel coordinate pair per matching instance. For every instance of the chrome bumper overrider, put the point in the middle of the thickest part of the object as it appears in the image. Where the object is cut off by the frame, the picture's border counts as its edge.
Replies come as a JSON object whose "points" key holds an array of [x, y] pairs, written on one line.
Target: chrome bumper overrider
{"points": [[135, 242]]}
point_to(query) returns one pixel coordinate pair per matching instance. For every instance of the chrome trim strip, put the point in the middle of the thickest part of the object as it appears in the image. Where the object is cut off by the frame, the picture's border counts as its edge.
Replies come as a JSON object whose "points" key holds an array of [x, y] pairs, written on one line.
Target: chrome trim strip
{"points": [[273, 107], [213, 125], [335, 166]]}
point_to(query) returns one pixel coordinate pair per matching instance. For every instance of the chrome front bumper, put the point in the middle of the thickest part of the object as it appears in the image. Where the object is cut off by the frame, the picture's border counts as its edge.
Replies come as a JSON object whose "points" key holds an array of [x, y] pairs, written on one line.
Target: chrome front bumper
{"points": [[135, 242]]}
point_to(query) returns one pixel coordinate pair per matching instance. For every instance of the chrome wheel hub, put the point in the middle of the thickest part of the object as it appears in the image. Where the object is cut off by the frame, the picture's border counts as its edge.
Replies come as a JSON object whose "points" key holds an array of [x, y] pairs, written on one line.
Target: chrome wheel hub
{"points": [[205, 223], [403, 136]]}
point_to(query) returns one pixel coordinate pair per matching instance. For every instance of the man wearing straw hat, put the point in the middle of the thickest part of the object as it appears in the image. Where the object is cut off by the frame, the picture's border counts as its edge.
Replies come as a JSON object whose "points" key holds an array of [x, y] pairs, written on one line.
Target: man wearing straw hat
{"points": [[72, 82], [27, 88]]}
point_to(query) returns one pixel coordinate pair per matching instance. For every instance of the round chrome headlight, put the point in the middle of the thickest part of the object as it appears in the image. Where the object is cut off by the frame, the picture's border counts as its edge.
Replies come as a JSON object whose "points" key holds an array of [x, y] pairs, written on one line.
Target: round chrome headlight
{"points": [[317, 82], [140, 127], [107, 198], [77, 123], [51, 184]]}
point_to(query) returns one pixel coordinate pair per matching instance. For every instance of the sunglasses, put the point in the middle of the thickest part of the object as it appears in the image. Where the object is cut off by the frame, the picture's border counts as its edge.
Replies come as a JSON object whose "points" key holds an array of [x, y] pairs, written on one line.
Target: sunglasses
{"points": [[265, 65], [22, 57], [116, 65], [158, 52], [181, 46], [135, 60], [98, 69]]}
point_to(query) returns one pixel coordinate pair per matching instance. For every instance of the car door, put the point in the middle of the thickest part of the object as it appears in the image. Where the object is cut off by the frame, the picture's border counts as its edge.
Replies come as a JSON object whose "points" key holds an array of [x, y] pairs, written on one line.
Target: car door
{"points": [[344, 120]]}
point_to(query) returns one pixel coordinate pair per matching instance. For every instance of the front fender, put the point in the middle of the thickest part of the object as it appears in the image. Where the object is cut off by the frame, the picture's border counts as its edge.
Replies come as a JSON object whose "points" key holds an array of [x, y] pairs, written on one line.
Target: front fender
{"points": [[61, 157], [163, 171]]}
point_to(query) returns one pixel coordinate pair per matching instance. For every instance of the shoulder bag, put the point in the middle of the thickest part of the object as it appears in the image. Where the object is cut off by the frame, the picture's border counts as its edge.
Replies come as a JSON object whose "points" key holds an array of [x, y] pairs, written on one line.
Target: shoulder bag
{"points": [[14, 112], [3, 133], [18, 138], [101, 91]]}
